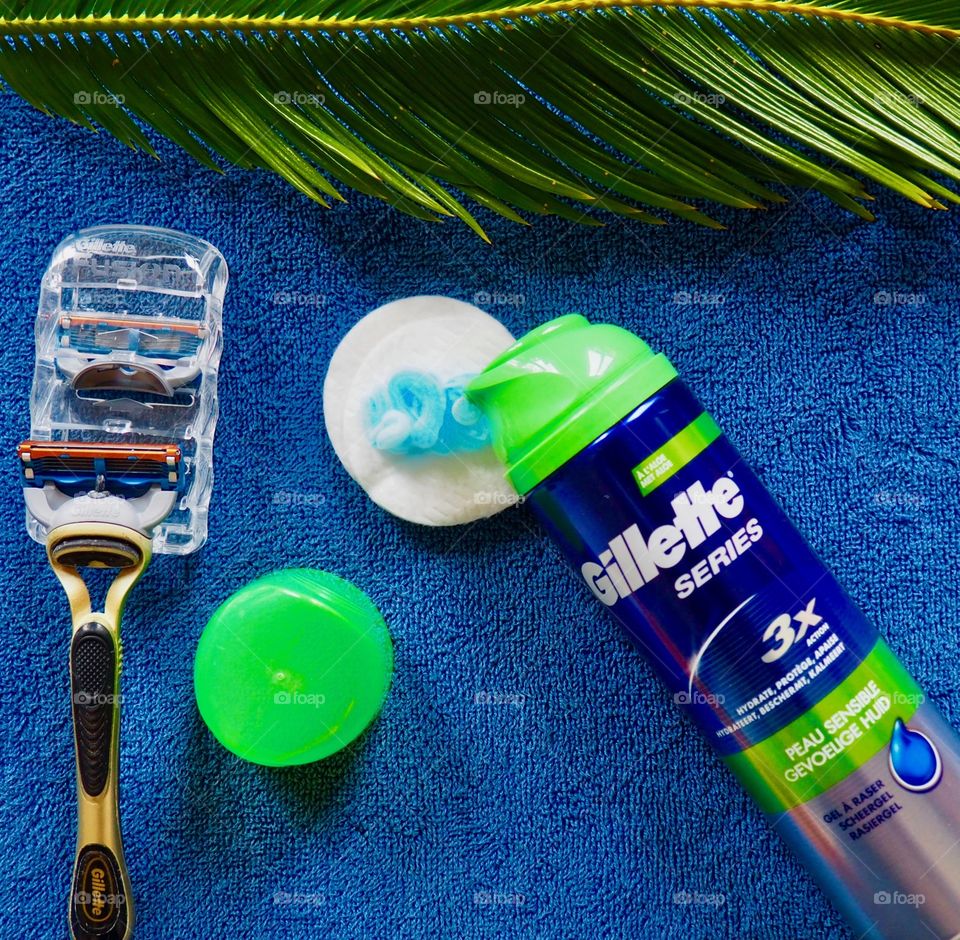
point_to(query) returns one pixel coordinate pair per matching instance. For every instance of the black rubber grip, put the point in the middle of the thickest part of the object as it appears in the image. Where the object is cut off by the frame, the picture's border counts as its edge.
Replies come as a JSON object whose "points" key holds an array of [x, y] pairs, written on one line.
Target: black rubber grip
{"points": [[93, 678], [98, 905]]}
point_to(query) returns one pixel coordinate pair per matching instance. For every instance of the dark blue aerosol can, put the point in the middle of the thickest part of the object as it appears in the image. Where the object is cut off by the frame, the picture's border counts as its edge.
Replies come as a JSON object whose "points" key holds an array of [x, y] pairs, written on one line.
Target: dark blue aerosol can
{"points": [[668, 527]]}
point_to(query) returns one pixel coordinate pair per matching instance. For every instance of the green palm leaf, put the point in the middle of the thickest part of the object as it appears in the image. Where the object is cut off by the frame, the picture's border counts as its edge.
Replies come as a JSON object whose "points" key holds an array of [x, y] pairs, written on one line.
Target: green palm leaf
{"points": [[573, 107]]}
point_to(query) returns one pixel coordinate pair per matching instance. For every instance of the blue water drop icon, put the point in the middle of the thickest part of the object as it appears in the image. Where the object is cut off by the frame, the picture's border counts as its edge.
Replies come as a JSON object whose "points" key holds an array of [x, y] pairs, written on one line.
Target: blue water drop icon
{"points": [[914, 759]]}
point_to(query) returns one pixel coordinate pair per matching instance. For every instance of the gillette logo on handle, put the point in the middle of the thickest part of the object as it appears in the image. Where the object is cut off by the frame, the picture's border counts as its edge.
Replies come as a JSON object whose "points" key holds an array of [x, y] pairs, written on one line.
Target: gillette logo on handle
{"points": [[631, 561]]}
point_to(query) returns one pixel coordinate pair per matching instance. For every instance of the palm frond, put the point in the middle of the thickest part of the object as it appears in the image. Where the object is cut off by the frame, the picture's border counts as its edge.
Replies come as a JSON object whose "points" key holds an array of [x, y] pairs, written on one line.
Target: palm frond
{"points": [[568, 107]]}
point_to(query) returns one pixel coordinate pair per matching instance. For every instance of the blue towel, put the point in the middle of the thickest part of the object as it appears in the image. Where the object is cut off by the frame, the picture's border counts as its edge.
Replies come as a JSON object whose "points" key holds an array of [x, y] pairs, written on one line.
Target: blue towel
{"points": [[528, 777]]}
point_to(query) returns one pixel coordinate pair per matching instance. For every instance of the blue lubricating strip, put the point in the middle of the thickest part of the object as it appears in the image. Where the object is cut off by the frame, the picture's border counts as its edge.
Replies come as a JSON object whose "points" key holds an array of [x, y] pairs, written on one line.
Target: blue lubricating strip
{"points": [[417, 414]]}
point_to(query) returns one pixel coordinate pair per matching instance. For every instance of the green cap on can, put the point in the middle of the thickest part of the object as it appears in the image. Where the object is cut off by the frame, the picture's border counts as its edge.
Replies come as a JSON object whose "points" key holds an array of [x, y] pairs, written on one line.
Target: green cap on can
{"points": [[559, 387], [292, 667]]}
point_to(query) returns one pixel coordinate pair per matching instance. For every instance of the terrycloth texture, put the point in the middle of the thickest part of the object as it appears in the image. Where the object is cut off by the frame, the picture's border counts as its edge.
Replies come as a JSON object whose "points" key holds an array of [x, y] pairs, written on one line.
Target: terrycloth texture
{"points": [[526, 753]]}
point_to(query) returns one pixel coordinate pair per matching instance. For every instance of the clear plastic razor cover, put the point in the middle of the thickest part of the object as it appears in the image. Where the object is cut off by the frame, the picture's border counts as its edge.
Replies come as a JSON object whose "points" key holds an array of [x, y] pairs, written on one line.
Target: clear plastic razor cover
{"points": [[128, 342]]}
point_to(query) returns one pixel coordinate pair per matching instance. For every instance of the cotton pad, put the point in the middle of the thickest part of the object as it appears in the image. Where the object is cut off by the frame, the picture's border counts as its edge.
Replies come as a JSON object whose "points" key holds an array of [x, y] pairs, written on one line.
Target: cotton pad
{"points": [[397, 417]]}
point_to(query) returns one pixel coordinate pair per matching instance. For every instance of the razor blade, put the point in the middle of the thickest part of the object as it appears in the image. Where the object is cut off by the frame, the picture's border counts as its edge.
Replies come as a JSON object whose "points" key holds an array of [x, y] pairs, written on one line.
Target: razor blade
{"points": [[128, 345], [134, 485]]}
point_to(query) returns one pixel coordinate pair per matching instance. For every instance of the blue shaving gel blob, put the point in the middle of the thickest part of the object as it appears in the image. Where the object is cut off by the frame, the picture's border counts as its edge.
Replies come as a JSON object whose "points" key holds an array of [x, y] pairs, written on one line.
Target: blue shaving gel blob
{"points": [[416, 414], [913, 759]]}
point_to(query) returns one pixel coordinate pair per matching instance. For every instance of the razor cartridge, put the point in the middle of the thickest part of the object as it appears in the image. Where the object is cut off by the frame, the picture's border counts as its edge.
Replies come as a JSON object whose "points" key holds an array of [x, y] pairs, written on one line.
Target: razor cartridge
{"points": [[102, 351]]}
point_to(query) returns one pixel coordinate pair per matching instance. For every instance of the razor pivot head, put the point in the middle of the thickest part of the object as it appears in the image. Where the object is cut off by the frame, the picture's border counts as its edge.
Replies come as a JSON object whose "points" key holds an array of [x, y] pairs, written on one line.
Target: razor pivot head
{"points": [[128, 344], [133, 485]]}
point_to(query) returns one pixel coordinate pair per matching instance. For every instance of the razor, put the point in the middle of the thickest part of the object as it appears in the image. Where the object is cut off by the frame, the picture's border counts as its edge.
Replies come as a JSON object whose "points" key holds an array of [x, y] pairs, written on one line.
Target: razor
{"points": [[100, 503], [119, 466]]}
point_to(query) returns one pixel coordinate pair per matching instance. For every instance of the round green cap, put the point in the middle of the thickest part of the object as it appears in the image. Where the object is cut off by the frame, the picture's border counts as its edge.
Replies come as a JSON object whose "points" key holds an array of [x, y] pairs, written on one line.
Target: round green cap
{"points": [[559, 387], [292, 667]]}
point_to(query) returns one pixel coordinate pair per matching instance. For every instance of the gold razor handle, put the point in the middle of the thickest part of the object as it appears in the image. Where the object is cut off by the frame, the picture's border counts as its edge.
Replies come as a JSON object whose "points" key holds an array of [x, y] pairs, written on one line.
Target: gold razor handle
{"points": [[101, 899]]}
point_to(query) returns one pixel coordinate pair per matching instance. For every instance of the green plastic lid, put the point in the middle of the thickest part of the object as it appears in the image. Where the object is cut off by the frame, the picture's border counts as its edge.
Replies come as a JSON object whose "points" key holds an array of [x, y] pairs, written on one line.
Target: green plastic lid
{"points": [[559, 387], [292, 667]]}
